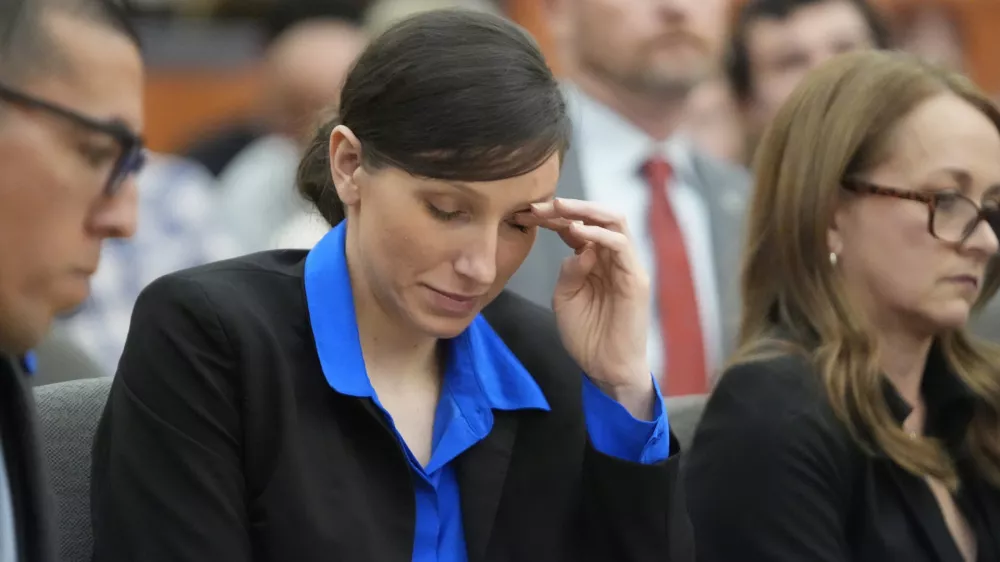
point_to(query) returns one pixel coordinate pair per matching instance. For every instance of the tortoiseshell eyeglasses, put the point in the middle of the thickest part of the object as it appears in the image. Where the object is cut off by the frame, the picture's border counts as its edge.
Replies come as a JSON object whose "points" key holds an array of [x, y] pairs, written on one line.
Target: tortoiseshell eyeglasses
{"points": [[952, 217]]}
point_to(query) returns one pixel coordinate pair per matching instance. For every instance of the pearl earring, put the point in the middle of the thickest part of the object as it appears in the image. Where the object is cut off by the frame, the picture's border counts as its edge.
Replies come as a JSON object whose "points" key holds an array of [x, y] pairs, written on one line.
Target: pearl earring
{"points": [[833, 259]]}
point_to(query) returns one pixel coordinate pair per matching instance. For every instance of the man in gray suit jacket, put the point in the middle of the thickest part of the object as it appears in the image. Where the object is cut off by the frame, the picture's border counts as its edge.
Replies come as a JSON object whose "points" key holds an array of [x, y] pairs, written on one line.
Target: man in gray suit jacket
{"points": [[632, 64]]}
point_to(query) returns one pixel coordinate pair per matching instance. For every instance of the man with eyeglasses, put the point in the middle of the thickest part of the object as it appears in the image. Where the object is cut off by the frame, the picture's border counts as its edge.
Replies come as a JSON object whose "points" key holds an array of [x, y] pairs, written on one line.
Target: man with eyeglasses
{"points": [[70, 113]]}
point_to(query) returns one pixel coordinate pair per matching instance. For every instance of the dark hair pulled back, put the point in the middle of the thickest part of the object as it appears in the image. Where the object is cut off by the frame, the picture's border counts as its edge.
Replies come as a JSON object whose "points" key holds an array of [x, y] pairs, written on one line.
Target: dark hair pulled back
{"points": [[448, 94]]}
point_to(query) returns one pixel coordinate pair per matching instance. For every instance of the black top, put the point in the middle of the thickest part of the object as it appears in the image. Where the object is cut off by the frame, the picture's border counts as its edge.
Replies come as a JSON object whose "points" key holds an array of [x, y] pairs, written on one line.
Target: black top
{"points": [[29, 494], [774, 476], [222, 441]]}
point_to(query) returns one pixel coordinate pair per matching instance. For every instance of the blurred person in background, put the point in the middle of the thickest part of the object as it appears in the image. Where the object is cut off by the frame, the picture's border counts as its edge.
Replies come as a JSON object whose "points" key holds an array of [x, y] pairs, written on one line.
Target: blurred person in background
{"points": [[859, 419], [304, 71], [71, 83], [713, 122], [381, 397], [306, 227], [774, 43], [286, 80], [382, 14], [180, 228], [277, 16], [632, 66], [932, 31]]}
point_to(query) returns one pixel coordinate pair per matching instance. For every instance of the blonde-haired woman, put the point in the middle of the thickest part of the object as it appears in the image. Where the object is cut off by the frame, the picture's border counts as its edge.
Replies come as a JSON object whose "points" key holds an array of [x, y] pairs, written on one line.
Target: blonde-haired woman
{"points": [[859, 421]]}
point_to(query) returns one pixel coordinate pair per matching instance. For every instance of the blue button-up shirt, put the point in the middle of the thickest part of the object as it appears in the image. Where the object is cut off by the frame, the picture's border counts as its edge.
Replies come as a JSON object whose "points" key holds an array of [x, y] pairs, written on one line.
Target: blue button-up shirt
{"points": [[481, 375]]}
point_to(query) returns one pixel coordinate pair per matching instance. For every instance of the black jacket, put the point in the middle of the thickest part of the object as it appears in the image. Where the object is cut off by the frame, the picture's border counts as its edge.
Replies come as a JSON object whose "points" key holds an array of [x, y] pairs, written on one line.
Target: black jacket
{"points": [[773, 476], [222, 441], [25, 471]]}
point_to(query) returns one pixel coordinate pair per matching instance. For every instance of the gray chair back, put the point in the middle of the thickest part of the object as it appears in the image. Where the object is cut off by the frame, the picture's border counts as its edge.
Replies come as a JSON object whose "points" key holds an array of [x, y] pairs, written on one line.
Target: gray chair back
{"points": [[68, 414], [60, 359], [684, 413]]}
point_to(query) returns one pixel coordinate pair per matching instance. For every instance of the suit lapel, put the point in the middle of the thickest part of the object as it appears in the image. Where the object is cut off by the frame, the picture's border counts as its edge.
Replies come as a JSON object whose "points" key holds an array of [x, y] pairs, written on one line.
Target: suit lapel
{"points": [[571, 176], [725, 191], [24, 465], [536, 279], [482, 471]]}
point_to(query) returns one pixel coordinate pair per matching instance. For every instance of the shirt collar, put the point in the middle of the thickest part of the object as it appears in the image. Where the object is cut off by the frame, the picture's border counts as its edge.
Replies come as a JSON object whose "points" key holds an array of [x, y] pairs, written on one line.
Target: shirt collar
{"points": [[477, 353], [949, 401], [29, 363], [601, 131]]}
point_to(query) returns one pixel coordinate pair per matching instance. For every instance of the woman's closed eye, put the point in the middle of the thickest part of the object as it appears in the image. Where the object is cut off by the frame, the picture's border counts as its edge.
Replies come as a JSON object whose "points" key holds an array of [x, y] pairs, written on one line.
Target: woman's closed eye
{"points": [[442, 214], [513, 223], [445, 215]]}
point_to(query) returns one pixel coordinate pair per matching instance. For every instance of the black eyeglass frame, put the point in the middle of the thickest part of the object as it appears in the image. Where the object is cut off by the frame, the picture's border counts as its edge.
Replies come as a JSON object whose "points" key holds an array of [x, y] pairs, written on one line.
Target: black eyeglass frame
{"points": [[986, 212], [133, 152]]}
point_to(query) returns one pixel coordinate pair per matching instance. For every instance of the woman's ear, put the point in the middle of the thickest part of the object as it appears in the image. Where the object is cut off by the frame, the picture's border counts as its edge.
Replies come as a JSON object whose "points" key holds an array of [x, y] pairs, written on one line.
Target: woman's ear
{"points": [[834, 234], [345, 162]]}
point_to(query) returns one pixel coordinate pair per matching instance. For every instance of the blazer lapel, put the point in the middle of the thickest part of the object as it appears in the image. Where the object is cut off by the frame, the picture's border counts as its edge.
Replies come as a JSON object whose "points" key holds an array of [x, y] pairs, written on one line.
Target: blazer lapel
{"points": [[987, 498], [482, 471], [921, 503]]}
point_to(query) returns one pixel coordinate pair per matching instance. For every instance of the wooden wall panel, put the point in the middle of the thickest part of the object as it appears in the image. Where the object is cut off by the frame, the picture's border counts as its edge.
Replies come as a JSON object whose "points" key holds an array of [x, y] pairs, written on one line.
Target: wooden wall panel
{"points": [[531, 15], [182, 103], [981, 29], [980, 25]]}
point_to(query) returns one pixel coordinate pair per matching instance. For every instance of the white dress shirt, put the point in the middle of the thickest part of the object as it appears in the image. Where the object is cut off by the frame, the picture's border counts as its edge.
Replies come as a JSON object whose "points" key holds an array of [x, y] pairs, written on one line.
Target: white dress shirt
{"points": [[257, 191], [612, 152]]}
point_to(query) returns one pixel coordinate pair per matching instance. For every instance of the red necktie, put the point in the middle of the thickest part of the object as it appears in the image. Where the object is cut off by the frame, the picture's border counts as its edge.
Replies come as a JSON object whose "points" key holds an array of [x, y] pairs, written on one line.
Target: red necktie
{"points": [[680, 322]]}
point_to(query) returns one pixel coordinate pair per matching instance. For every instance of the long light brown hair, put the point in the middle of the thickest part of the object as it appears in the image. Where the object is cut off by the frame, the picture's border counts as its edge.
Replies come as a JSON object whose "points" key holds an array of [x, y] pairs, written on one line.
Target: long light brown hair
{"points": [[835, 125]]}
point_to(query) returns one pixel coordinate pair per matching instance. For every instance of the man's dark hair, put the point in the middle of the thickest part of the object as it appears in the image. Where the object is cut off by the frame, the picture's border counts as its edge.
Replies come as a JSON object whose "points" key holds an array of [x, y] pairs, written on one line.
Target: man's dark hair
{"points": [[26, 44], [448, 94], [737, 62]]}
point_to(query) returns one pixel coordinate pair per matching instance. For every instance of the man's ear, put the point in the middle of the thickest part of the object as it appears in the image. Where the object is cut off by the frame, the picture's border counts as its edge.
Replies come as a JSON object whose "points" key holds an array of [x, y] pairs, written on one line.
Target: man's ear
{"points": [[345, 163]]}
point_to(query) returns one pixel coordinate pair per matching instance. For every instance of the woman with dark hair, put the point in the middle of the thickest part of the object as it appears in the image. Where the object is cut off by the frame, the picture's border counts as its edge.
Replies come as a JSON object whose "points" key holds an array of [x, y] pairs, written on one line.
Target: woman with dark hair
{"points": [[380, 398]]}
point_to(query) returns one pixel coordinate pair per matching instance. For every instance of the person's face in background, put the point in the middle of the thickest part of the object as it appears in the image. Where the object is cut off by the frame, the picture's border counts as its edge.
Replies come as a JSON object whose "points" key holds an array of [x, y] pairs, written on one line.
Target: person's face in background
{"points": [[900, 272], [433, 253], [712, 121], [303, 74], [934, 35], [53, 212], [642, 45], [781, 52]]}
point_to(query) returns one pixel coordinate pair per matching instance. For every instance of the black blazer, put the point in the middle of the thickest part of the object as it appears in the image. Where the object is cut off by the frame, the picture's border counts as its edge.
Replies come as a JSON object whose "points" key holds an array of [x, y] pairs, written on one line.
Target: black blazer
{"points": [[222, 441], [21, 452], [773, 476]]}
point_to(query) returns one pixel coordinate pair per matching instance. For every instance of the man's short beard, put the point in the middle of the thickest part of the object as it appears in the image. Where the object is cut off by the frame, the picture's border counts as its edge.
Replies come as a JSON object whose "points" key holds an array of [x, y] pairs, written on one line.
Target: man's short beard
{"points": [[650, 83]]}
